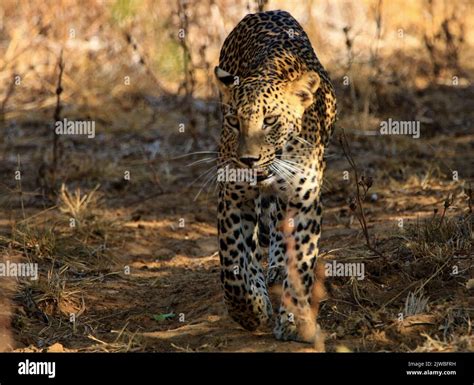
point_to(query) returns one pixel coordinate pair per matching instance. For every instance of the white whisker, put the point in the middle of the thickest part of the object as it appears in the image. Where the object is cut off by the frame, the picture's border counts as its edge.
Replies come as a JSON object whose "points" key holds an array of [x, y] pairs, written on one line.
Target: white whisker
{"points": [[284, 169], [282, 175], [213, 178], [290, 166], [290, 162], [209, 179], [206, 160], [195, 153], [304, 141], [205, 173]]}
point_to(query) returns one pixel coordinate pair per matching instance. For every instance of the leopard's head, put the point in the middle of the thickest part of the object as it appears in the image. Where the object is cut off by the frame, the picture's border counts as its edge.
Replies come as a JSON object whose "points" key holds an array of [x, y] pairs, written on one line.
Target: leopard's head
{"points": [[261, 115]]}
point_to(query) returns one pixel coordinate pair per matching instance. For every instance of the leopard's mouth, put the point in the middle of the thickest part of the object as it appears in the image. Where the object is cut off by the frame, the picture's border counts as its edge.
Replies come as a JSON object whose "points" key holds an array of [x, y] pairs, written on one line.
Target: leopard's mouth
{"points": [[264, 174]]}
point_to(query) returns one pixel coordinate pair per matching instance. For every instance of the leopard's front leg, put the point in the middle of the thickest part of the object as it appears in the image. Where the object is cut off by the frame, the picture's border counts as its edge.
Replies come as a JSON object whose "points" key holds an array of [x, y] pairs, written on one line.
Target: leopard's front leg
{"points": [[277, 250], [241, 273], [295, 320]]}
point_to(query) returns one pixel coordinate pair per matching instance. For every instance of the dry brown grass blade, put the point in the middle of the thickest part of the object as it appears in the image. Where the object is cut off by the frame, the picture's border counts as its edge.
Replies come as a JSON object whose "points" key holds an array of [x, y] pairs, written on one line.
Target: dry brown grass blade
{"points": [[77, 204]]}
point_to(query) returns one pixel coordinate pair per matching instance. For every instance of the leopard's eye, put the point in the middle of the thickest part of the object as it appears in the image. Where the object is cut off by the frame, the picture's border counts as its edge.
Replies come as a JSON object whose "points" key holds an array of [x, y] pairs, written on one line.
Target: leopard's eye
{"points": [[233, 121], [270, 120]]}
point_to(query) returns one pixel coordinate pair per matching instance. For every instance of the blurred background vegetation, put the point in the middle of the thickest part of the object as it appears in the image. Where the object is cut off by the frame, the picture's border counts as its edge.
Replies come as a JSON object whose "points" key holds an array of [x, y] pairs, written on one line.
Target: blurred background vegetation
{"points": [[127, 63]]}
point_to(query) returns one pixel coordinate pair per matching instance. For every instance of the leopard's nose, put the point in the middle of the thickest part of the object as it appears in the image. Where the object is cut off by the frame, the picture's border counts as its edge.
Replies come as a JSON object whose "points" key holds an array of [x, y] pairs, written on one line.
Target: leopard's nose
{"points": [[249, 160]]}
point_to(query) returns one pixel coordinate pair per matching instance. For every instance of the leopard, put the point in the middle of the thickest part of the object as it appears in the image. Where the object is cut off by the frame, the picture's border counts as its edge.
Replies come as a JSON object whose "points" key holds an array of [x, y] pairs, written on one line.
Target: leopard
{"points": [[278, 112]]}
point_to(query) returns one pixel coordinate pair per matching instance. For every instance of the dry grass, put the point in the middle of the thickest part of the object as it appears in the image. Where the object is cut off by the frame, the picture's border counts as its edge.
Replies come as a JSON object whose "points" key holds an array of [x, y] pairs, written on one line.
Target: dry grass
{"points": [[77, 205], [440, 237]]}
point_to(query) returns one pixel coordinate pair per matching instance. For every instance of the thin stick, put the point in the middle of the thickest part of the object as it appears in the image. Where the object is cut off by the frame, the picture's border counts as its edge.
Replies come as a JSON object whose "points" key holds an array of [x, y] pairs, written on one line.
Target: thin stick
{"points": [[57, 117]]}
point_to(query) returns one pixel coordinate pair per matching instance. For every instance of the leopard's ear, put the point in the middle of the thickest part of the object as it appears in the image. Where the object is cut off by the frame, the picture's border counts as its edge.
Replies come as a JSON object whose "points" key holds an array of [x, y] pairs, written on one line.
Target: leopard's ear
{"points": [[226, 79], [305, 87]]}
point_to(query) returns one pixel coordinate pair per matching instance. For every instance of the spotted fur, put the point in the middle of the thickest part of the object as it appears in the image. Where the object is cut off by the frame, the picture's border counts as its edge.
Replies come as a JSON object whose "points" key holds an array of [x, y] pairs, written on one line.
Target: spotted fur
{"points": [[279, 110]]}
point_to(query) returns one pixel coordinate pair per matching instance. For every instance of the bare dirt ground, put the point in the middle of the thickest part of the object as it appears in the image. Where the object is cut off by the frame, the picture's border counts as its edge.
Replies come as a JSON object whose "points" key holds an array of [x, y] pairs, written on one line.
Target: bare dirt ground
{"points": [[141, 270]]}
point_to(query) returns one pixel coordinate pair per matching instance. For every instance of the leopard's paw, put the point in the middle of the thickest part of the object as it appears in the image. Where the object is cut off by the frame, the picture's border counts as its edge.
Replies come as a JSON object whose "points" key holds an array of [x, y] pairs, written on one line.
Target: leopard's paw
{"points": [[287, 330]]}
